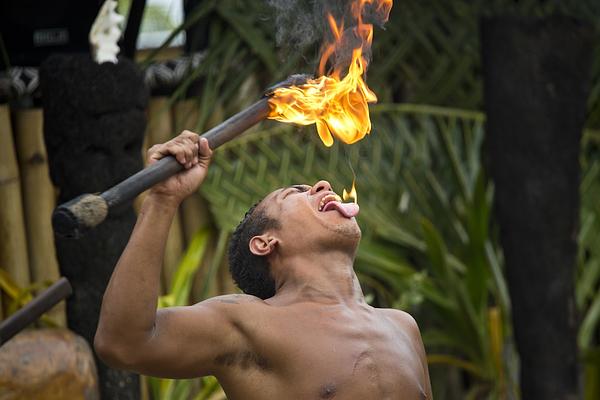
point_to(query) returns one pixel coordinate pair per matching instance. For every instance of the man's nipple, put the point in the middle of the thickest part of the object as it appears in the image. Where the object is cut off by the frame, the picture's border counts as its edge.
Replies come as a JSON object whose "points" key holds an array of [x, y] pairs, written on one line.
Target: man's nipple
{"points": [[328, 391]]}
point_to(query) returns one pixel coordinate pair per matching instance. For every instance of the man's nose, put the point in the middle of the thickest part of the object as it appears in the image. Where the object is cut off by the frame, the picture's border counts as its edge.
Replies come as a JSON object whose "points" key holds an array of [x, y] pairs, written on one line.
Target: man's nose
{"points": [[320, 186]]}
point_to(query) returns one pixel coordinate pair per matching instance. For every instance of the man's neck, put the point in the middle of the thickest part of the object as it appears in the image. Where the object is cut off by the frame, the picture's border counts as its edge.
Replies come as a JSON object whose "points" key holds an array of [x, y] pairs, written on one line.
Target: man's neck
{"points": [[326, 278]]}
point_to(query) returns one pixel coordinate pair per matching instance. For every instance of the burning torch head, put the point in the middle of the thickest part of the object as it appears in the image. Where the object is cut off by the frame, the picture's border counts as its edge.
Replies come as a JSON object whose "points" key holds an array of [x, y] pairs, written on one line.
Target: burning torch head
{"points": [[292, 80]]}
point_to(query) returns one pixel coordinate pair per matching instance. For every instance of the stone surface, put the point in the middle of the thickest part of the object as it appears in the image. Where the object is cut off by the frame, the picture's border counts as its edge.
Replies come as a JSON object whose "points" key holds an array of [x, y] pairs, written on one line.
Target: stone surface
{"points": [[49, 364]]}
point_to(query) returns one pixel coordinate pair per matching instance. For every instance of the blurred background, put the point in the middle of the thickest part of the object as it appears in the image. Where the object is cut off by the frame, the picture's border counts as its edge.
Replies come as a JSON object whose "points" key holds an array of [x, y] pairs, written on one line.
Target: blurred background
{"points": [[479, 185]]}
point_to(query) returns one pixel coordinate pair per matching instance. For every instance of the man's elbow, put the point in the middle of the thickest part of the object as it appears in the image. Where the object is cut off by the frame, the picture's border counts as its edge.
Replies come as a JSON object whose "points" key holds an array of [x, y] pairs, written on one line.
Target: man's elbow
{"points": [[113, 353], [105, 349]]}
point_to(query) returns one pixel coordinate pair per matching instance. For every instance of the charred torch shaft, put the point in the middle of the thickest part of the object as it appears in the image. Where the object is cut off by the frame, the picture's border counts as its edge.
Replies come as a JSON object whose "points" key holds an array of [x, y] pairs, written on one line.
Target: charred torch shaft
{"points": [[86, 211]]}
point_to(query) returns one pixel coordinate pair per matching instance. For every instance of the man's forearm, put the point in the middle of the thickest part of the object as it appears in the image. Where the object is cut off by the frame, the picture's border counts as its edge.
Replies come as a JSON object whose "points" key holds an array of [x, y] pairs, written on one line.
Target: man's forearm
{"points": [[129, 305]]}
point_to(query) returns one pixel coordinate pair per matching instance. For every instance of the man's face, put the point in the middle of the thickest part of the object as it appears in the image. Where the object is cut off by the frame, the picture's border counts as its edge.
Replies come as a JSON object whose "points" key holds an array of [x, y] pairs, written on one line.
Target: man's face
{"points": [[306, 220]]}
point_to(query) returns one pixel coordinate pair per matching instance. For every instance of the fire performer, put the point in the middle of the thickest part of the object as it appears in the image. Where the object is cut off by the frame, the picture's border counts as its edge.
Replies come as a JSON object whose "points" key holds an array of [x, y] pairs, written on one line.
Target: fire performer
{"points": [[302, 330]]}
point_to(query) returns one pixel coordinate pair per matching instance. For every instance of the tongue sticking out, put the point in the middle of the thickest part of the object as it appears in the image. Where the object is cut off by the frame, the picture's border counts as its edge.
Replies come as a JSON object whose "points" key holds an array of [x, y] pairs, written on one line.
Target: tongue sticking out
{"points": [[348, 210]]}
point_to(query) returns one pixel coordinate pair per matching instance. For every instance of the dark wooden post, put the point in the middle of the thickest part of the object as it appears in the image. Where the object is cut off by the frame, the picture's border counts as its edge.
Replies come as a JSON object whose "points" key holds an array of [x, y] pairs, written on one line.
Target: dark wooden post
{"points": [[94, 121], [536, 77]]}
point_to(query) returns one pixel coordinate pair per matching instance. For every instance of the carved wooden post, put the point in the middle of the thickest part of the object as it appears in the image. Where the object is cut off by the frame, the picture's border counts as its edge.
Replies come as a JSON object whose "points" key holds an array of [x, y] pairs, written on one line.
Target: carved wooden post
{"points": [[94, 121]]}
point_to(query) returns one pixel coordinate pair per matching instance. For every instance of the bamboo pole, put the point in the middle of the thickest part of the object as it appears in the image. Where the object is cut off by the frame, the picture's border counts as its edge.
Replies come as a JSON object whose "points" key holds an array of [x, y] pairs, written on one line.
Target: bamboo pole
{"points": [[197, 294], [144, 392], [13, 248], [137, 202], [194, 213], [225, 281], [194, 210], [38, 201], [160, 129], [194, 216]]}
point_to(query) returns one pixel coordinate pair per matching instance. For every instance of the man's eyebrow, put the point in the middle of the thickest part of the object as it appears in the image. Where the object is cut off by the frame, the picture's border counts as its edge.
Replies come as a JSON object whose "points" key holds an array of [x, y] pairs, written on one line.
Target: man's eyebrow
{"points": [[302, 188]]}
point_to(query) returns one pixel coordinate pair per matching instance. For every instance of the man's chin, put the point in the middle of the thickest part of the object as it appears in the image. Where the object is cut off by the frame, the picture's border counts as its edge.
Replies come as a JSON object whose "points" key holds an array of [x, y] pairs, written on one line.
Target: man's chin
{"points": [[349, 229], [339, 229]]}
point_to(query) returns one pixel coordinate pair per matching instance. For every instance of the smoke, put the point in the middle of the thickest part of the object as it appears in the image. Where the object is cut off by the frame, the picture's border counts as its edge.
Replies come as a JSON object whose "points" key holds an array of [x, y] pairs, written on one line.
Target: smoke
{"points": [[302, 23], [299, 23]]}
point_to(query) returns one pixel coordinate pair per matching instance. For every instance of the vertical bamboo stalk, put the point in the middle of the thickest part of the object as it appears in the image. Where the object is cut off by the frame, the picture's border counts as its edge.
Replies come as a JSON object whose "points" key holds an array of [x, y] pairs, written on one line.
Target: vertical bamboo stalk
{"points": [[194, 216], [144, 392], [38, 201], [194, 213], [160, 129], [186, 114], [225, 281], [13, 248], [198, 286], [137, 202], [194, 210]]}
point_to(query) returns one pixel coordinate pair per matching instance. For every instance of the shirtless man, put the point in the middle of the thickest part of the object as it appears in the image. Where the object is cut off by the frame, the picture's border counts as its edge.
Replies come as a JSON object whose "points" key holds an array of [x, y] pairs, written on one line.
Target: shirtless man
{"points": [[302, 330]]}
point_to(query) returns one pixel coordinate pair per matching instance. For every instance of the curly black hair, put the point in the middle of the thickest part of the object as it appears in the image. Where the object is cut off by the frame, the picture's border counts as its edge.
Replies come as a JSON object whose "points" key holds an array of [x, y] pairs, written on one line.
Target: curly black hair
{"points": [[251, 272]]}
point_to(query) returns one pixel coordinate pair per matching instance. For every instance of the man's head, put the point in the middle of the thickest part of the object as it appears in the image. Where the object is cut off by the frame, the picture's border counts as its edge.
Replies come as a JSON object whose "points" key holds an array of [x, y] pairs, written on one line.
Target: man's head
{"points": [[290, 221]]}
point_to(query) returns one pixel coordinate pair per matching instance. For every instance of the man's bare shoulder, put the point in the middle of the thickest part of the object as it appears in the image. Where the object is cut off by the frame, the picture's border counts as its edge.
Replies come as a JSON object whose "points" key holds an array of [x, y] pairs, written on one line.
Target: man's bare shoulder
{"points": [[235, 309], [225, 308], [402, 319], [232, 302], [233, 299], [408, 325]]}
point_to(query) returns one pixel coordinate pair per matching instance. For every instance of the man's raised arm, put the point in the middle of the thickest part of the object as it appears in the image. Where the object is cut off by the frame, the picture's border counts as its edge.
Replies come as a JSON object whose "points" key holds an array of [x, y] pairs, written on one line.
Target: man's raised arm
{"points": [[131, 334]]}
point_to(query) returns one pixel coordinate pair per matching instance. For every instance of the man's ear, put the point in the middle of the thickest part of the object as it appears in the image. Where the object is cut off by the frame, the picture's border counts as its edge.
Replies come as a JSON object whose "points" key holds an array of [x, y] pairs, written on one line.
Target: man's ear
{"points": [[262, 245]]}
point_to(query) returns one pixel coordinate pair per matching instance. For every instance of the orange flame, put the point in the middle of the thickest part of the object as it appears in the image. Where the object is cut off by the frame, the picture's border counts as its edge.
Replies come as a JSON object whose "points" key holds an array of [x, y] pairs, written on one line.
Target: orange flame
{"points": [[350, 195], [338, 106]]}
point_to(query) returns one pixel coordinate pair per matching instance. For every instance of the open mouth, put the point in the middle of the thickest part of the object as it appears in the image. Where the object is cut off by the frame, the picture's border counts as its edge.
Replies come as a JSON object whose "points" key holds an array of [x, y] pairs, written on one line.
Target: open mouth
{"points": [[328, 199], [333, 202]]}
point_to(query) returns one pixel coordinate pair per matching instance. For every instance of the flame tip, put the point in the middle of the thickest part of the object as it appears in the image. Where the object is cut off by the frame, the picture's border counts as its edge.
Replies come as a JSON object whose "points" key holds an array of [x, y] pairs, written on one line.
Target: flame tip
{"points": [[352, 194]]}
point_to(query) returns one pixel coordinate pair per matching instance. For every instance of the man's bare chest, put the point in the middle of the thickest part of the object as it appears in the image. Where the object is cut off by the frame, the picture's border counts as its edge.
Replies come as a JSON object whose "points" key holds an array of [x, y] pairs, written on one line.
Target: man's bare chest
{"points": [[331, 355]]}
